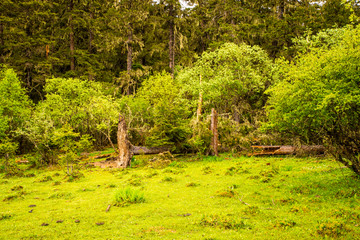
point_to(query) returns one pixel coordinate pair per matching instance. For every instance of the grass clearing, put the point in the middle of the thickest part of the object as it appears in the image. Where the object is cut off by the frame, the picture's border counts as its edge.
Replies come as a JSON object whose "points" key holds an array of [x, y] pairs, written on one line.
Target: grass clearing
{"points": [[208, 198]]}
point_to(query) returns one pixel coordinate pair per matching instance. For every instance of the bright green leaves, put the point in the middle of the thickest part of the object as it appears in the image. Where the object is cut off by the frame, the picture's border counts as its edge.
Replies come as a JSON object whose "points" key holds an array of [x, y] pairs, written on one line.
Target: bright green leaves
{"points": [[231, 76], [318, 99], [158, 115], [15, 106]]}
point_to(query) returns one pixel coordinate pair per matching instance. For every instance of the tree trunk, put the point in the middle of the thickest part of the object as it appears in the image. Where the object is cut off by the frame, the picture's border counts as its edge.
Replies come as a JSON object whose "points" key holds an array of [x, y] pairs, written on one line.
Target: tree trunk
{"points": [[1, 42], [91, 39], [124, 145], [198, 112], [129, 57], [171, 40], [214, 139], [72, 41]]}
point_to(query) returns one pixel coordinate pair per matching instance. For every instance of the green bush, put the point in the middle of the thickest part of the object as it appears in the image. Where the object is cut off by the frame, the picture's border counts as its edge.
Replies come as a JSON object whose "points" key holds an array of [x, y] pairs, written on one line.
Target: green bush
{"points": [[318, 99]]}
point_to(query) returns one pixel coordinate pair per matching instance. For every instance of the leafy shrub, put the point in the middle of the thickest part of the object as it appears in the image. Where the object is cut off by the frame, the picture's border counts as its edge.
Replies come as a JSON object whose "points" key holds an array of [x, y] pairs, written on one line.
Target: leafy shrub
{"points": [[318, 99], [128, 196]]}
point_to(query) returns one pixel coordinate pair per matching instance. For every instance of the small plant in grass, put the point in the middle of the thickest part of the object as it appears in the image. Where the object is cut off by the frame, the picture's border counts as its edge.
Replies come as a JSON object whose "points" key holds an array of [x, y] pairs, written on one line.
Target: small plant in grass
{"points": [[135, 182], [17, 188], [61, 196], [168, 179], [177, 164], [46, 179], [17, 195], [56, 183], [222, 221], [251, 210], [228, 193], [124, 197], [5, 216], [331, 229], [151, 174], [285, 224], [232, 171], [299, 208], [192, 184], [207, 170]]}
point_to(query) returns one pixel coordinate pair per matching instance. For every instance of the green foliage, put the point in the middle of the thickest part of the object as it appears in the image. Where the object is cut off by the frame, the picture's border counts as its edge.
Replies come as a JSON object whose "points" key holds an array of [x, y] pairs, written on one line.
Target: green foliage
{"points": [[232, 79], [70, 145], [318, 98], [73, 109], [157, 113], [15, 108], [128, 196]]}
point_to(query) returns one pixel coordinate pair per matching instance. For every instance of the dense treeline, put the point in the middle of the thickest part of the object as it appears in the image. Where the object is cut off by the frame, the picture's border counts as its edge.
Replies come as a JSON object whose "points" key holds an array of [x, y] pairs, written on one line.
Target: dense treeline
{"points": [[270, 68], [123, 41]]}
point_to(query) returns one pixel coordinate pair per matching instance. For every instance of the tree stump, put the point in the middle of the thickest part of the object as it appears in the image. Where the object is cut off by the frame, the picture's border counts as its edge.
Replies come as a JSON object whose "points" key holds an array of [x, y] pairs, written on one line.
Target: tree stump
{"points": [[214, 139], [124, 145]]}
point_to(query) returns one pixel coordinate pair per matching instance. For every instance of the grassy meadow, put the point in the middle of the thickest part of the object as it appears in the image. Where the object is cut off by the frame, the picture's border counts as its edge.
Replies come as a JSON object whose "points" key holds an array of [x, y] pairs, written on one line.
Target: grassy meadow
{"points": [[226, 197]]}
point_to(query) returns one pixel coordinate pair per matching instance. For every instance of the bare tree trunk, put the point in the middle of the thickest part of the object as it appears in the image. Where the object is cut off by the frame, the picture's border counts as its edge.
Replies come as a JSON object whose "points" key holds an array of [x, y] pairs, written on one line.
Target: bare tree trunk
{"points": [[129, 57], [72, 41], [214, 139], [198, 112], [171, 40], [1, 42], [124, 145], [91, 39]]}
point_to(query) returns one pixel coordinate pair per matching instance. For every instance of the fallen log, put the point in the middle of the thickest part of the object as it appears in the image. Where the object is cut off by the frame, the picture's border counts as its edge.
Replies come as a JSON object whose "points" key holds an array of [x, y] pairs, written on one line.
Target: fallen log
{"points": [[138, 150], [288, 150], [111, 161]]}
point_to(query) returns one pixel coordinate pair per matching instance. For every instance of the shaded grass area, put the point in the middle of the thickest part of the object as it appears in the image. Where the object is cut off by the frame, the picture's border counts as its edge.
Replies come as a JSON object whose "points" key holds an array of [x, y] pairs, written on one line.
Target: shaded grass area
{"points": [[193, 198]]}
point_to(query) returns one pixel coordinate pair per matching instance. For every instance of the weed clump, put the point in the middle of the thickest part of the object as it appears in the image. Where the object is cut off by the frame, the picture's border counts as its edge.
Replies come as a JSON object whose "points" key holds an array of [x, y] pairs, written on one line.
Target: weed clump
{"points": [[17, 188], [5, 216], [285, 224], [251, 210], [19, 194], [332, 229], [61, 196], [162, 160], [127, 196], [192, 184], [221, 221], [168, 179], [178, 164], [229, 193], [46, 179], [207, 170]]}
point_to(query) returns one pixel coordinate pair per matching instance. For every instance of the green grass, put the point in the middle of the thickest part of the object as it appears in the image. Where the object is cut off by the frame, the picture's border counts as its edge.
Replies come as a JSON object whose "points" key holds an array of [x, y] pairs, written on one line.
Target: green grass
{"points": [[208, 198]]}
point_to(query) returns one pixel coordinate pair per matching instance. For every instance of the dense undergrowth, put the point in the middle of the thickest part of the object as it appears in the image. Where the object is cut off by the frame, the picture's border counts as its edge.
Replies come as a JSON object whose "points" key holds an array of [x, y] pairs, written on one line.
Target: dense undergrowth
{"points": [[226, 197]]}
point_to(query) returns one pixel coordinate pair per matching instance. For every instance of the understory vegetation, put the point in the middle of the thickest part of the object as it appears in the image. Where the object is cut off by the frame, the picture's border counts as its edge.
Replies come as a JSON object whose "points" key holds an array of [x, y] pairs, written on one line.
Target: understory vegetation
{"points": [[226, 197]]}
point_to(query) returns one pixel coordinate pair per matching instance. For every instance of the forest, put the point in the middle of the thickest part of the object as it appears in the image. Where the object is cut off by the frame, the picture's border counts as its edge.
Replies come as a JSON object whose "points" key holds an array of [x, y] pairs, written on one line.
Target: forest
{"points": [[88, 83], [276, 72]]}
